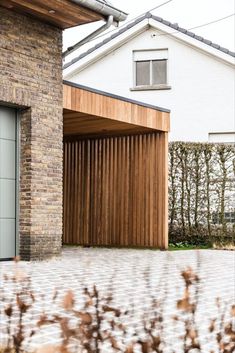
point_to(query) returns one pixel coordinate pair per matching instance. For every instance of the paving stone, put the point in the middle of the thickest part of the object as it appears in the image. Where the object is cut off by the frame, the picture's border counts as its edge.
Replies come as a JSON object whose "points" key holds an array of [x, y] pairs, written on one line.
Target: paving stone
{"points": [[123, 272]]}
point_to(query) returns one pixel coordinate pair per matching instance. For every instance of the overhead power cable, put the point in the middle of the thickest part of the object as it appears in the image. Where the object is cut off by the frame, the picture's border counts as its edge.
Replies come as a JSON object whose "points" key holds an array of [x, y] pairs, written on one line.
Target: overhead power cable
{"points": [[215, 21], [199, 26]]}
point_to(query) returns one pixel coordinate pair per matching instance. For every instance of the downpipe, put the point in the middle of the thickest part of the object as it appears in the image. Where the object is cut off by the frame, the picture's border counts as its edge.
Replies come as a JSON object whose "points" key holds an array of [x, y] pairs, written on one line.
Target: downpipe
{"points": [[92, 35]]}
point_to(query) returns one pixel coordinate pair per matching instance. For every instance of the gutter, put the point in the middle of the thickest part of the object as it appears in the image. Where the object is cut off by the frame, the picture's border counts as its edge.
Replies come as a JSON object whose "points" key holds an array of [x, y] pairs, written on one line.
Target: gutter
{"points": [[103, 8], [92, 35]]}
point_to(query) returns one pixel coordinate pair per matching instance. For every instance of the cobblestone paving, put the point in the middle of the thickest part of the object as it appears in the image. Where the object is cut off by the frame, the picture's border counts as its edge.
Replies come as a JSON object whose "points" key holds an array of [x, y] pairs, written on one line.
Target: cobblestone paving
{"points": [[124, 271]]}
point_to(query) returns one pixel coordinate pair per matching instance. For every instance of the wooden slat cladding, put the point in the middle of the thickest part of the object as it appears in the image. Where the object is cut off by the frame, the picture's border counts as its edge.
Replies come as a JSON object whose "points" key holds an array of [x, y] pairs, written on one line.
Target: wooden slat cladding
{"points": [[66, 14], [100, 105], [115, 191]]}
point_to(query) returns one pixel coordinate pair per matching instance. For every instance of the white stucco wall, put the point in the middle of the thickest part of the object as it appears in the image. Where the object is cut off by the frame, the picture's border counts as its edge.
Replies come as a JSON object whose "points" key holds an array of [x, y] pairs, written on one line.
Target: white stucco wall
{"points": [[202, 91]]}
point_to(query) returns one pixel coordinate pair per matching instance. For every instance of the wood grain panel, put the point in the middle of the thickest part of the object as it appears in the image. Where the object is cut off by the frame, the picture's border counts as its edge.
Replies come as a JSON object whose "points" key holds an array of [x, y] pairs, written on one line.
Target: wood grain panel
{"points": [[66, 14], [113, 109], [115, 191], [81, 124]]}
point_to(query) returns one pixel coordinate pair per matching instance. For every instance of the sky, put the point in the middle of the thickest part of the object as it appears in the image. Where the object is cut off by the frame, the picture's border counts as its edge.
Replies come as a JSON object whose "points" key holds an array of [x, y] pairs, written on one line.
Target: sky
{"points": [[187, 13]]}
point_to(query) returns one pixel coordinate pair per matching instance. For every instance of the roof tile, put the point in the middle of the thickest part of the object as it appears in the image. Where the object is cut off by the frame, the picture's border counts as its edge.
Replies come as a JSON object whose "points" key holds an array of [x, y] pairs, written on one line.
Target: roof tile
{"points": [[158, 19]]}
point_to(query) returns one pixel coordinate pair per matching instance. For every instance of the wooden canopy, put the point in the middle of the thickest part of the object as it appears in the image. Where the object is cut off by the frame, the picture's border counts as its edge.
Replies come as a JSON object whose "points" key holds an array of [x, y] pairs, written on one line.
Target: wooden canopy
{"points": [[88, 112], [115, 170], [60, 13]]}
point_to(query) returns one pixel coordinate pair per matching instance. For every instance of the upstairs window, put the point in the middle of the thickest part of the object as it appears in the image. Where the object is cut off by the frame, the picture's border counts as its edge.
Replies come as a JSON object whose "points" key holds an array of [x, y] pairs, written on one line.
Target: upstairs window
{"points": [[150, 69]]}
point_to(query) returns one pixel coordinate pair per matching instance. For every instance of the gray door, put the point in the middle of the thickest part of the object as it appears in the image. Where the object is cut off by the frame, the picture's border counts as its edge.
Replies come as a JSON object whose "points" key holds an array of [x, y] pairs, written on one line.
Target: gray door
{"points": [[7, 182]]}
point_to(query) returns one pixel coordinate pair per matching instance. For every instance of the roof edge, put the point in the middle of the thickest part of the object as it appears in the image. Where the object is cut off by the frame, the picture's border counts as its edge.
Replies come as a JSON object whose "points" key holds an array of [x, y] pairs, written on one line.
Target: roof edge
{"points": [[115, 96], [148, 16], [103, 7]]}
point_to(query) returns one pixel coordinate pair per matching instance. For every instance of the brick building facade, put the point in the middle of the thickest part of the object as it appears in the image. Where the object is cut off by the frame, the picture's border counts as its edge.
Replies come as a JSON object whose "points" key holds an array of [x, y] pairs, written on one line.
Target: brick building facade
{"points": [[31, 81]]}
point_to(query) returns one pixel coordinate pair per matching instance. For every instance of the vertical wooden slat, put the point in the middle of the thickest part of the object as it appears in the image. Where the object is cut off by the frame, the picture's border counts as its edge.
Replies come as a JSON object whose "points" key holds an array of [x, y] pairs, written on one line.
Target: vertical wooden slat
{"points": [[69, 189], [132, 194], [72, 188], [137, 187], [107, 193], [127, 192], [78, 215], [122, 190], [165, 191], [88, 189], [141, 189], [65, 193], [158, 192], [111, 192], [151, 190], [155, 210], [92, 230], [147, 193], [83, 193], [115, 191]]}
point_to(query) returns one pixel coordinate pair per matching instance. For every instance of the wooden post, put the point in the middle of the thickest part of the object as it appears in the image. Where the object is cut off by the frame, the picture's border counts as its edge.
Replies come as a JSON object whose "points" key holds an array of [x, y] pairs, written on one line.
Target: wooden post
{"points": [[164, 213]]}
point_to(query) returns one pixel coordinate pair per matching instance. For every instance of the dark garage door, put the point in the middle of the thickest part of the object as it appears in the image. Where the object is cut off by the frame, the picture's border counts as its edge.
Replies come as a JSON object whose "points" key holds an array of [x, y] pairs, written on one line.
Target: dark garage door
{"points": [[7, 182]]}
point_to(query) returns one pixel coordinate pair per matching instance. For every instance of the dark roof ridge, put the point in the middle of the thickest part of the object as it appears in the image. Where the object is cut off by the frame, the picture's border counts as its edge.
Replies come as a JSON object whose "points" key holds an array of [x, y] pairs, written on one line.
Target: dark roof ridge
{"points": [[193, 35], [148, 15]]}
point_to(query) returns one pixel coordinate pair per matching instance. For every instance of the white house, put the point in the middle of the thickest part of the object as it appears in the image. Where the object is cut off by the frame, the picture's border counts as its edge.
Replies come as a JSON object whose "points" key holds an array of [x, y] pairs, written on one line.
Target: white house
{"points": [[159, 63]]}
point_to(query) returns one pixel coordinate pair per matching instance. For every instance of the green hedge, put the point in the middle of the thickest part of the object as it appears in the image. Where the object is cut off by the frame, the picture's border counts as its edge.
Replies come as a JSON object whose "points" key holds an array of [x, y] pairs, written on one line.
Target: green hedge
{"points": [[201, 192]]}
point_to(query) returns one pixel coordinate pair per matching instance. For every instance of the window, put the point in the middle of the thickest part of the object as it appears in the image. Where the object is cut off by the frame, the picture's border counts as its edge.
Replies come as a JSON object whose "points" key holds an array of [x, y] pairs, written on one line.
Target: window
{"points": [[150, 69], [229, 217], [151, 72], [222, 137]]}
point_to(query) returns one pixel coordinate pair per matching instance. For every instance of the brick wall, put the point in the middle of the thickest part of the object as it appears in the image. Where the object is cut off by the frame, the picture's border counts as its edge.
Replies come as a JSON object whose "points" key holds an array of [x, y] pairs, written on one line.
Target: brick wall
{"points": [[31, 79]]}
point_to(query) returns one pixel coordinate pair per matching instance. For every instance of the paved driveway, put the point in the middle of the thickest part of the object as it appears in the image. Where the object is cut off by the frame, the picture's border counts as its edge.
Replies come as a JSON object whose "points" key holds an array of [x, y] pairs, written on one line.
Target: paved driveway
{"points": [[134, 277]]}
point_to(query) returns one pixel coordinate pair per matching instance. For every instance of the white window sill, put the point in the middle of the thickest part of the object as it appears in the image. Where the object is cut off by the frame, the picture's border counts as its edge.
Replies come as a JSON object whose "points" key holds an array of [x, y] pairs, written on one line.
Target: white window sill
{"points": [[150, 88]]}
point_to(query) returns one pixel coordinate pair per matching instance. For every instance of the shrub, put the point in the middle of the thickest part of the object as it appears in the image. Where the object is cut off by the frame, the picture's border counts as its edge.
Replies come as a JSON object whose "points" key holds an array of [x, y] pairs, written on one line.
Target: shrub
{"points": [[201, 192]]}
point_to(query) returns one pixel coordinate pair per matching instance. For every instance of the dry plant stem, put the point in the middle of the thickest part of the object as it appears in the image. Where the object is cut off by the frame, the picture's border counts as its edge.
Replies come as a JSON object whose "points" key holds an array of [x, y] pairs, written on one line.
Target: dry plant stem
{"points": [[188, 306], [183, 191], [98, 320], [99, 323], [153, 326], [207, 157], [18, 306], [8, 312], [172, 176], [188, 189], [197, 153]]}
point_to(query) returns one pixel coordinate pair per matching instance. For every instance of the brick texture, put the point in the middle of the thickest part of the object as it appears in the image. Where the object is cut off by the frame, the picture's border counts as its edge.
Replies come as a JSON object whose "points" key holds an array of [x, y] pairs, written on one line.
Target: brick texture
{"points": [[31, 79]]}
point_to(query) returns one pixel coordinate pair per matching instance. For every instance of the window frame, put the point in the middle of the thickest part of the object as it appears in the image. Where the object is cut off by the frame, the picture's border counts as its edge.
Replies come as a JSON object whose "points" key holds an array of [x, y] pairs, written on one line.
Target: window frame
{"points": [[151, 86]]}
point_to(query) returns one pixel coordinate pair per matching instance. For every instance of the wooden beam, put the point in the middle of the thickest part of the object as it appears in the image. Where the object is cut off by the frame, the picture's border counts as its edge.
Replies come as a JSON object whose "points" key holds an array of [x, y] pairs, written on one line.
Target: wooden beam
{"points": [[66, 14], [95, 104]]}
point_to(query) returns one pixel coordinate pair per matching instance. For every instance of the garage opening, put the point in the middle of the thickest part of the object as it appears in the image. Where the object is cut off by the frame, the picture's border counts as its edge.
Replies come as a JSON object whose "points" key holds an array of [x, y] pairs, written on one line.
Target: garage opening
{"points": [[8, 176], [115, 170]]}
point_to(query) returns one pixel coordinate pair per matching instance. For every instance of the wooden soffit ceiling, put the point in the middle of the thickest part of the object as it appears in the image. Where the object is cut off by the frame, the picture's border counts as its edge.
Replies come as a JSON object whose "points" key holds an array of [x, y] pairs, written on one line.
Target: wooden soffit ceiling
{"points": [[86, 125], [88, 112], [60, 13]]}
